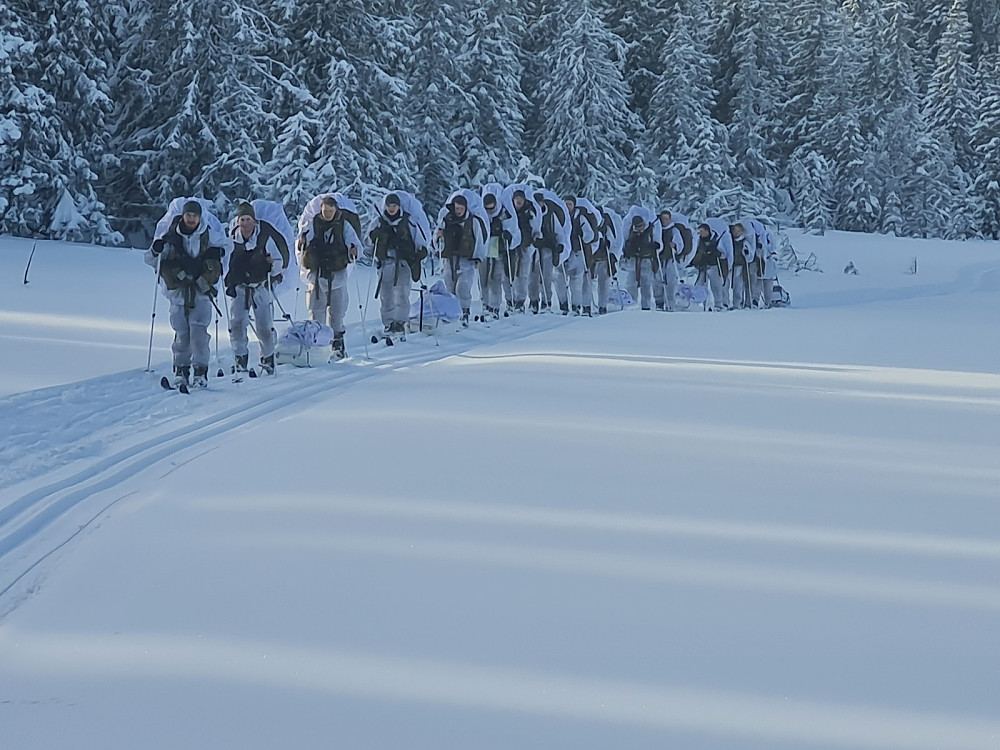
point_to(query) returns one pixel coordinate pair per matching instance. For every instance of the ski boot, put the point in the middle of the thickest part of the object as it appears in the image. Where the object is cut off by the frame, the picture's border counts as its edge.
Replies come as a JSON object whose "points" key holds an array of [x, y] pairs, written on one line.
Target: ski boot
{"points": [[564, 308], [544, 306], [338, 352], [182, 376], [659, 306], [465, 317], [267, 365], [602, 311], [200, 377], [587, 313], [534, 307], [242, 362], [576, 311], [519, 307]]}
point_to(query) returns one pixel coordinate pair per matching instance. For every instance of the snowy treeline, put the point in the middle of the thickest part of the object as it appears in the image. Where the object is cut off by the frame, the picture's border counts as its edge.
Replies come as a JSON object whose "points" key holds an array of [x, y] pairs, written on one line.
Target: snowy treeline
{"points": [[870, 115]]}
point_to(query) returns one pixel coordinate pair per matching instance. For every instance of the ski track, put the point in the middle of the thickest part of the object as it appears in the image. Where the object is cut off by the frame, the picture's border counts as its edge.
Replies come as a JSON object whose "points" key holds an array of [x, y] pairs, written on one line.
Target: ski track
{"points": [[117, 409], [109, 413]]}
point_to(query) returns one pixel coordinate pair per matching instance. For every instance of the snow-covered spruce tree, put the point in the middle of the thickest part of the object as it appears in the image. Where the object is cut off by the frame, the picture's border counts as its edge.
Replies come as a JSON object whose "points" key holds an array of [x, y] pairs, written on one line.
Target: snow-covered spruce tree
{"points": [[929, 20], [858, 179], [644, 26], [726, 18], [38, 165], [72, 62], [819, 78], [289, 176], [686, 147], [985, 18], [194, 86], [931, 189], [892, 215], [811, 183], [491, 144], [952, 103], [376, 41], [756, 84], [336, 155], [892, 120], [986, 137], [542, 23], [589, 145], [439, 100]]}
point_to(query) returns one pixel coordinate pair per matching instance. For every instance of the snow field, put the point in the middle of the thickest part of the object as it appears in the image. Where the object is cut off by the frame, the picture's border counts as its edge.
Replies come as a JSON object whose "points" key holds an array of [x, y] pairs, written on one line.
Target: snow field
{"points": [[756, 529]]}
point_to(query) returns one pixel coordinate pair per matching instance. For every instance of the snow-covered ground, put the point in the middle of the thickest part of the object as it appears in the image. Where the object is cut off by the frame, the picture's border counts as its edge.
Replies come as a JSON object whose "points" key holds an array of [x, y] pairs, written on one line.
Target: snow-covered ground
{"points": [[760, 529]]}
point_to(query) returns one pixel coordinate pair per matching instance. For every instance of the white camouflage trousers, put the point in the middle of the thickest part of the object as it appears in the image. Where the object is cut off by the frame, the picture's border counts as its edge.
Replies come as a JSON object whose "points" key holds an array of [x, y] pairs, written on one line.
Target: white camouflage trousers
{"points": [[720, 290], [459, 275], [492, 281], [328, 299], [394, 291], [742, 286], [671, 280], [580, 290], [190, 326], [603, 280], [258, 301], [543, 276], [641, 279]]}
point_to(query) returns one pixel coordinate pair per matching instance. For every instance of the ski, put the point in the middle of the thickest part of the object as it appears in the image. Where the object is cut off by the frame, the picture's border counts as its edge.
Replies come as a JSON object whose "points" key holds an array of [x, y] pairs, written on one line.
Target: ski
{"points": [[168, 386]]}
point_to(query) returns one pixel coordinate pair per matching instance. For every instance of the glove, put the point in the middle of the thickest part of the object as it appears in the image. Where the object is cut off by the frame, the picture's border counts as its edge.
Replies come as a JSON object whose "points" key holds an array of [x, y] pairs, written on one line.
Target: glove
{"points": [[157, 247], [231, 291], [555, 258], [277, 279], [204, 287]]}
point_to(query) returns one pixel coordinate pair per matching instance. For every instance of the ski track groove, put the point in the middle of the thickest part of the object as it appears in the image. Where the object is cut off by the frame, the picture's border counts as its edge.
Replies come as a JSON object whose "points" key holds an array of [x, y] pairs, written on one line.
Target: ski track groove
{"points": [[24, 519]]}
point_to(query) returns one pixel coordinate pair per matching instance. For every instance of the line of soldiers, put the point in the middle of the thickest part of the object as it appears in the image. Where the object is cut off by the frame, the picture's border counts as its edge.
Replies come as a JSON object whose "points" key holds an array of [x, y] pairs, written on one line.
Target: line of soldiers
{"points": [[527, 248]]}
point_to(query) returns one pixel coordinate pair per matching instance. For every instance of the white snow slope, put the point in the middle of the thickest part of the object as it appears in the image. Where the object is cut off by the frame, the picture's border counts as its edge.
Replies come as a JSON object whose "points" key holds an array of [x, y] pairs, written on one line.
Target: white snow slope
{"points": [[754, 530]]}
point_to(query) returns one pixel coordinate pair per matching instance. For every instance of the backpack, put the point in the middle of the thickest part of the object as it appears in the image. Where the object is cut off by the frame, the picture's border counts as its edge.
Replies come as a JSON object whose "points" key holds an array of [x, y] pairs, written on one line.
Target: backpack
{"points": [[687, 235], [590, 212]]}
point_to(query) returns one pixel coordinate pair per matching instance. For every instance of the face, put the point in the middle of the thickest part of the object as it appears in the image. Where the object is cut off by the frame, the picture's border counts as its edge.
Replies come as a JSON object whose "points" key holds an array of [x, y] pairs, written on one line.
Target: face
{"points": [[458, 209], [491, 207], [518, 202], [703, 233], [246, 224], [570, 206], [737, 231], [328, 212], [391, 209], [191, 220], [665, 219]]}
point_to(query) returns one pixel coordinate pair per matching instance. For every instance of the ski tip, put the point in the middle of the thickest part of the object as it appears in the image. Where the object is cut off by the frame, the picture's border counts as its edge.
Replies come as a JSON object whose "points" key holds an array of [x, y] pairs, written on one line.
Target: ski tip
{"points": [[374, 339], [221, 373]]}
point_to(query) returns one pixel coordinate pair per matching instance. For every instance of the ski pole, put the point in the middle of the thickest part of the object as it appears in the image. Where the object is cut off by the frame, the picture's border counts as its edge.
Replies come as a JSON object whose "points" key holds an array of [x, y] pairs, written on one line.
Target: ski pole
{"points": [[362, 308], [31, 255], [277, 300], [614, 278], [152, 322], [364, 312]]}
